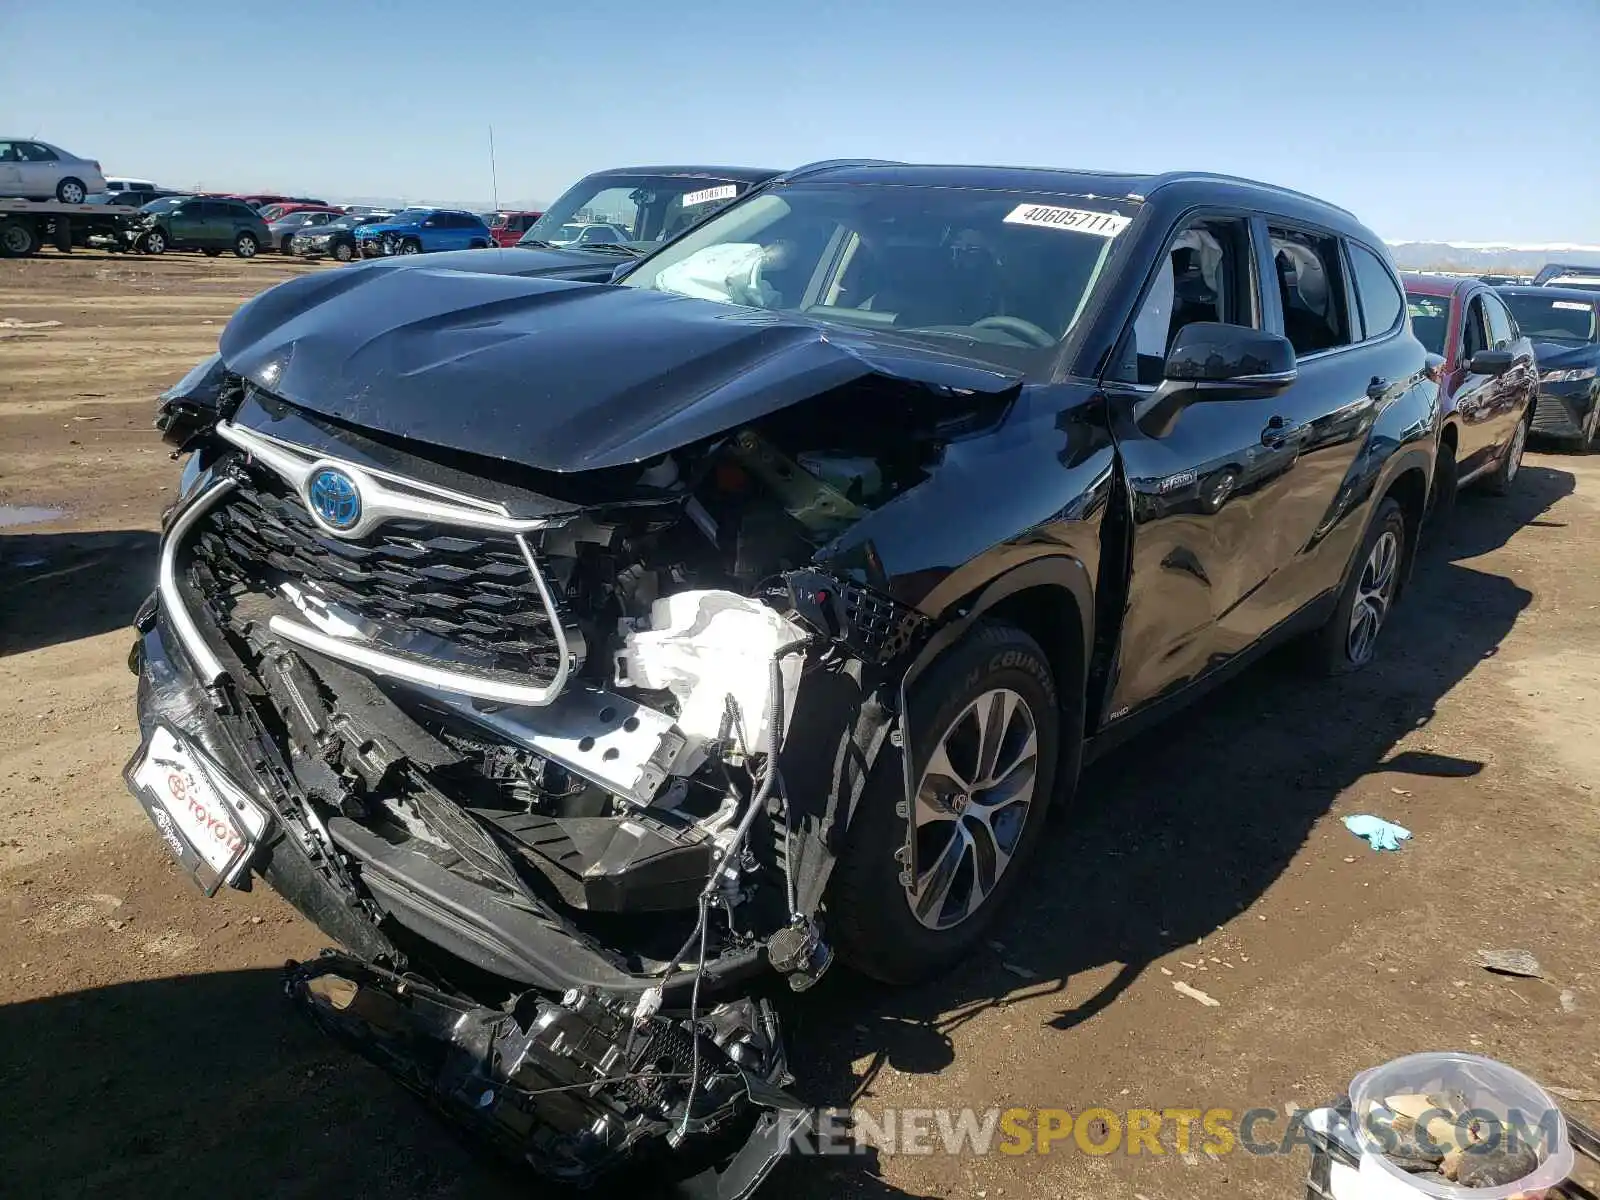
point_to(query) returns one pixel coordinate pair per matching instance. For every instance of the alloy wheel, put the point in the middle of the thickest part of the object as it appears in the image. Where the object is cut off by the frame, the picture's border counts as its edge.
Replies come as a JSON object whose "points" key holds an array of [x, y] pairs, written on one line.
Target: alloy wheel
{"points": [[71, 192], [245, 247], [1374, 596], [408, 248], [972, 806], [155, 243]]}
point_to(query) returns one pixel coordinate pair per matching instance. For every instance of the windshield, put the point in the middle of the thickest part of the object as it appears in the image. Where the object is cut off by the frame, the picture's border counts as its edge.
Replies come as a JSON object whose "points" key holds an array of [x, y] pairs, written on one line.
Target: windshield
{"points": [[641, 210], [1003, 267], [1565, 322], [406, 216], [164, 205], [1430, 320]]}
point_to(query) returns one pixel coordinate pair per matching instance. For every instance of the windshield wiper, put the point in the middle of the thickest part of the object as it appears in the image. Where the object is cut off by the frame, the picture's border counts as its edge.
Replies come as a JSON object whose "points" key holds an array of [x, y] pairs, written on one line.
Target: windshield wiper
{"points": [[535, 244], [618, 247]]}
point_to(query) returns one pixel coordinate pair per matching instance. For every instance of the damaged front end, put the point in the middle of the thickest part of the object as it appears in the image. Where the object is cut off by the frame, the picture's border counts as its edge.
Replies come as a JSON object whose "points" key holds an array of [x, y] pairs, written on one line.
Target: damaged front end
{"points": [[575, 1084], [564, 759]]}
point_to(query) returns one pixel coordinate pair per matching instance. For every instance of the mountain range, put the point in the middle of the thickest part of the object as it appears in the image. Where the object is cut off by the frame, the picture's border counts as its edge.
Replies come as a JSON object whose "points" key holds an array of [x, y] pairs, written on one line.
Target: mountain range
{"points": [[1478, 257]]}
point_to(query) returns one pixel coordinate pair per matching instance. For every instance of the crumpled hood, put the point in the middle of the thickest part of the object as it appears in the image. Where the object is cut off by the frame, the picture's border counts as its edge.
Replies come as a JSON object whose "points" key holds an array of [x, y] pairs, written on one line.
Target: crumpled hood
{"points": [[471, 355]]}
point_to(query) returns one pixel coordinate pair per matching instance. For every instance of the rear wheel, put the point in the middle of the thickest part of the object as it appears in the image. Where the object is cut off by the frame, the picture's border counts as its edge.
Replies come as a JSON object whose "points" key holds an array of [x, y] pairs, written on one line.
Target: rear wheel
{"points": [[17, 239], [917, 885], [245, 245], [1505, 472], [70, 191], [1349, 640]]}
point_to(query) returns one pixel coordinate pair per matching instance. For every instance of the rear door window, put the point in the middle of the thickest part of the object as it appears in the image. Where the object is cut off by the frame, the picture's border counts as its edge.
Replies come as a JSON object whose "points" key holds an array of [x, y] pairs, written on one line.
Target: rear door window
{"points": [[1311, 290], [1378, 293]]}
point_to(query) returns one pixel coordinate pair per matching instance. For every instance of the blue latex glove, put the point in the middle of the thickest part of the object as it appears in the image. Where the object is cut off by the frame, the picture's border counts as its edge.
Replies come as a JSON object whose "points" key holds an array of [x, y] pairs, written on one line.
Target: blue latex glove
{"points": [[1380, 834]]}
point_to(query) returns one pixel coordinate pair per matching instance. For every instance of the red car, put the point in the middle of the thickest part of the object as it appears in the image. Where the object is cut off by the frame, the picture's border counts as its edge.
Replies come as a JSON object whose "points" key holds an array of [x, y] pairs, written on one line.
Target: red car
{"points": [[507, 227], [1488, 382]]}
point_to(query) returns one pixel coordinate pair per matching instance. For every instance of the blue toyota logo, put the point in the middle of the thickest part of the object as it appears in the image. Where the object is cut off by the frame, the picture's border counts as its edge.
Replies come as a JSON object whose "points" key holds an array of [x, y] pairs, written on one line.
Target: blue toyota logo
{"points": [[335, 498]]}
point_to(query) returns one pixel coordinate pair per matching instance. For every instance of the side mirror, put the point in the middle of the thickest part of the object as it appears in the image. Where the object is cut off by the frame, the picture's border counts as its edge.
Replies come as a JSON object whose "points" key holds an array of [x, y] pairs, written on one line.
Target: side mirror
{"points": [[1212, 361], [1227, 362], [1491, 362]]}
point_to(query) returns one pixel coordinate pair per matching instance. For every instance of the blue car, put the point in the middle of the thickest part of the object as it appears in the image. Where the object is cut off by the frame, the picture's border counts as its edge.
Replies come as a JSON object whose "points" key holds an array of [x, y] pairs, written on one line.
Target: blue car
{"points": [[422, 231]]}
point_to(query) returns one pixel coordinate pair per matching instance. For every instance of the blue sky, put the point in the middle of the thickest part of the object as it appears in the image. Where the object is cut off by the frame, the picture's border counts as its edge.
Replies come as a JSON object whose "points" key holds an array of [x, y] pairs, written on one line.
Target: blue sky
{"points": [[1474, 120]]}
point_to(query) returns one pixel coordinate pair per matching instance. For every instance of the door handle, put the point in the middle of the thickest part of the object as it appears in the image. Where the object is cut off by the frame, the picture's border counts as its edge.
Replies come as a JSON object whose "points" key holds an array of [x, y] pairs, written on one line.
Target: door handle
{"points": [[1276, 433], [1377, 388]]}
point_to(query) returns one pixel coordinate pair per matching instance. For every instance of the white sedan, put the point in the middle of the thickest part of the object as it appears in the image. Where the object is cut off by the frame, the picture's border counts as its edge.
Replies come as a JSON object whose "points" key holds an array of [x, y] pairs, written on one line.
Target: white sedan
{"points": [[40, 171]]}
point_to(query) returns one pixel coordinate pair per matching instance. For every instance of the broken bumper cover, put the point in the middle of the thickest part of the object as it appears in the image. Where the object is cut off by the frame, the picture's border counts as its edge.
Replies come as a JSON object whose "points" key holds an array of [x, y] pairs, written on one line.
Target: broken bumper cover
{"points": [[578, 1088]]}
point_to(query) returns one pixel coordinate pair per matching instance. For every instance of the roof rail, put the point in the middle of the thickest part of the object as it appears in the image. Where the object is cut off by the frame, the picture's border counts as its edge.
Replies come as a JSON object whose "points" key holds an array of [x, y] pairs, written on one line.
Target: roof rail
{"points": [[826, 164], [1555, 270], [1214, 177]]}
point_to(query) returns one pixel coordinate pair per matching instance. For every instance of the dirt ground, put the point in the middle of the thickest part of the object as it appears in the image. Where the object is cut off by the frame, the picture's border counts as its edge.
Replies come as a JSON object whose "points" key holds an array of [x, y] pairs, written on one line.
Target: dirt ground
{"points": [[146, 1051]]}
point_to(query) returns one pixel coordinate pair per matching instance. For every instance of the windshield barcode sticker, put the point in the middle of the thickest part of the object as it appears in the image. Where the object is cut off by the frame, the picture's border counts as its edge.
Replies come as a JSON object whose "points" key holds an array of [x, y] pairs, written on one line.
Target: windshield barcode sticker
{"points": [[1074, 220], [1575, 305], [706, 195]]}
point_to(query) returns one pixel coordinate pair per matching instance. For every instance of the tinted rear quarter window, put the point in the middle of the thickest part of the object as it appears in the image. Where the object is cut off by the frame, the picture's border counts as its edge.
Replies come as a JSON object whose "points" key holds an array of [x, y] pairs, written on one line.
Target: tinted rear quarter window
{"points": [[1378, 293]]}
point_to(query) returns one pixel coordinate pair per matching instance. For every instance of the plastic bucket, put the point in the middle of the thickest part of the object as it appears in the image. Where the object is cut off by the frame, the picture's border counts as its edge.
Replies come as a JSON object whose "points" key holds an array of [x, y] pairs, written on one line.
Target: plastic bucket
{"points": [[1506, 1103]]}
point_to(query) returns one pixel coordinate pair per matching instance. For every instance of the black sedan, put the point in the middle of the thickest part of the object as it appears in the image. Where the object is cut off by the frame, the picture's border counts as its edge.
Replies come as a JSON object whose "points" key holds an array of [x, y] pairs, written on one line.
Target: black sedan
{"points": [[1564, 326]]}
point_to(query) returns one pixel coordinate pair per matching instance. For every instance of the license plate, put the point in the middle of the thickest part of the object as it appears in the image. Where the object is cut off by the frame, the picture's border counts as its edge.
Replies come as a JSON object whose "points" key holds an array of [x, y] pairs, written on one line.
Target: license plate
{"points": [[207, 821]]}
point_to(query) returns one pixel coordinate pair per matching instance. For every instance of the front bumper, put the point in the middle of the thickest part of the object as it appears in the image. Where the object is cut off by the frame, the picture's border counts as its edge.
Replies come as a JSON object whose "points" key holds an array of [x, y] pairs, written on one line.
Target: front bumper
{"points": [[1563, 408], [577, 1079]]}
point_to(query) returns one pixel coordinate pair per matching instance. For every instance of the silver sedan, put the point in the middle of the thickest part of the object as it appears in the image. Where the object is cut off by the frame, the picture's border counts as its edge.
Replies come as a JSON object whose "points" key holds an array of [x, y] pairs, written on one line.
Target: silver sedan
{"points": [[40, 171]]}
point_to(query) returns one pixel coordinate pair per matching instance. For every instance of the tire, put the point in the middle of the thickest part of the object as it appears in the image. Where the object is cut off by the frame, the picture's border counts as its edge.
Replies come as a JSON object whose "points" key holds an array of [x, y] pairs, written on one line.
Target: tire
{"points": [[285, 249], [996, 672], [71, 191], [245, 245], [409, 246], [1591, 429], [343, 252], [17, 239], [213, 252], [154, 242], [1374, 585], [1505, 471]]}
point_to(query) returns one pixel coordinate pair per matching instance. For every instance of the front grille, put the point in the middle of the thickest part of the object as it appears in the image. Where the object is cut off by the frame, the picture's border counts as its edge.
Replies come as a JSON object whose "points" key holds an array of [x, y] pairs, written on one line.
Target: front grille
{"points": [[1552, 418], [413, 580]]}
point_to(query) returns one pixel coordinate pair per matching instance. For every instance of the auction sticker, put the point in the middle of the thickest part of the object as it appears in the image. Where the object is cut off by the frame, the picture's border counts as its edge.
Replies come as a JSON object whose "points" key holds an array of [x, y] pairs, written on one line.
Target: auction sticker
{"points": [[1578, 305], [1074, 220], [706, 195]]}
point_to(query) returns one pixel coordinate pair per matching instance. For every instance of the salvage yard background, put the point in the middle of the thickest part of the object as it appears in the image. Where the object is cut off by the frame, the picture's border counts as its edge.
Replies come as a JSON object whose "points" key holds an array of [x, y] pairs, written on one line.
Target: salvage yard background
{"points": [[145, 1049]]}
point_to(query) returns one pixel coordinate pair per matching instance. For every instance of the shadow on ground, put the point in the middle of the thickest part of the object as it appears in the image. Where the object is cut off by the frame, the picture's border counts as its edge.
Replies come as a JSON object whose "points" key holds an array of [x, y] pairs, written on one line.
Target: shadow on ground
{"points": [[59, 587], [204, 1084]]}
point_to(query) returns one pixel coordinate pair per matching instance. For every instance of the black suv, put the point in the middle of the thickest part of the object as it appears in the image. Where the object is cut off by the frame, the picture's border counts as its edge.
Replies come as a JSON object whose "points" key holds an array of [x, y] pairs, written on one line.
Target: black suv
{"points": [[198, 223], [609, 647]]}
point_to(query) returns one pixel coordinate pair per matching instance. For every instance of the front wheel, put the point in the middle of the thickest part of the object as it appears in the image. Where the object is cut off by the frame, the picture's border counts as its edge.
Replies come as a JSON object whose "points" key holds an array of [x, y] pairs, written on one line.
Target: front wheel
{"points": [[917, 884], [1505, 473], [410, 246], [154, 242], [1349, 640], [245, 245], [343, 251]]}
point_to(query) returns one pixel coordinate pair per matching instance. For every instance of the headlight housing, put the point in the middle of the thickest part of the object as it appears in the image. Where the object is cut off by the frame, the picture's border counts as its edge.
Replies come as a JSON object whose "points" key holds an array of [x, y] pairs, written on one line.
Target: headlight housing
{"points": [[1570, 375]]}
